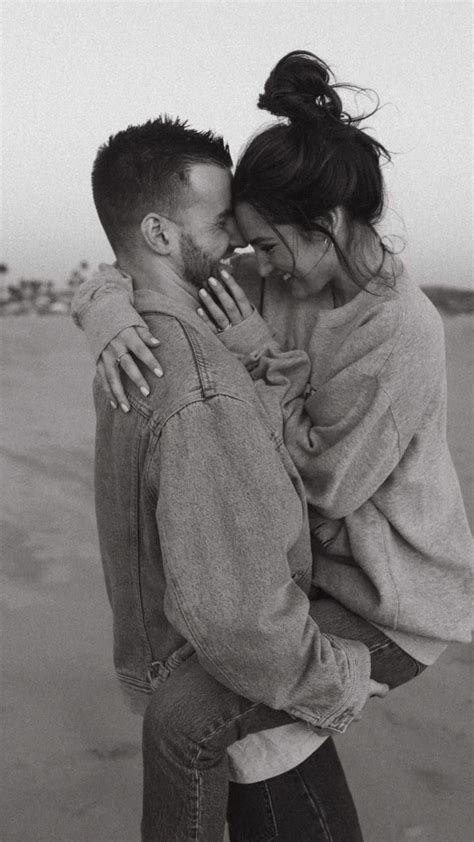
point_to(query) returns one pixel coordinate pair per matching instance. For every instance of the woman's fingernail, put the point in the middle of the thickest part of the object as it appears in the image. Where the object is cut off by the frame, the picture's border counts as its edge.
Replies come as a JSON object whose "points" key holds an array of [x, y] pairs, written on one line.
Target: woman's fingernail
{"points": [[200, 311], [225, 274], [113, 404], [125, 407], [213, 282], [154, 341], [158, 372], [144, 390], [203, 293]]}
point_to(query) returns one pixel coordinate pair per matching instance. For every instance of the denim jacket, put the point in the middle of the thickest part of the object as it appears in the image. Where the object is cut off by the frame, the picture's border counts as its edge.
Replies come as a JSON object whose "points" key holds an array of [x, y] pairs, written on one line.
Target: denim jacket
{"points": [[204, 536]]}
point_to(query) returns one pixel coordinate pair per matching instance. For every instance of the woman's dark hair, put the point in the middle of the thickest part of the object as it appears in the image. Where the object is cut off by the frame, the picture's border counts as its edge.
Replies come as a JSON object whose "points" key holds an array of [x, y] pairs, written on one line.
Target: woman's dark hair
{"points": [[294, 172]]}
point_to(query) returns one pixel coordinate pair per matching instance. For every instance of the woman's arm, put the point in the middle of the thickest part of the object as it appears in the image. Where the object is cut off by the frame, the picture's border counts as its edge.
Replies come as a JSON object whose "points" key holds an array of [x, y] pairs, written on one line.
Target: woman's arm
{"points": [[282, 376], [343, 437], [102, 307]]}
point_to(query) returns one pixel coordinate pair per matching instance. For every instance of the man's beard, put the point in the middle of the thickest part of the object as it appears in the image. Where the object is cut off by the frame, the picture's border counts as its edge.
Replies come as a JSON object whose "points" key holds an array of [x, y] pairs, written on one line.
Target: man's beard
{"points": [[198, 265]]}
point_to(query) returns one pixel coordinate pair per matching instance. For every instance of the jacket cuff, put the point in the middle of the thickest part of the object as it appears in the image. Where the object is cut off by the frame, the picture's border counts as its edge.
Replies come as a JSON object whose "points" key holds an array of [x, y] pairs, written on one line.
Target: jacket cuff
{"points": [[357, 678], [248, 337], [359, 671]]}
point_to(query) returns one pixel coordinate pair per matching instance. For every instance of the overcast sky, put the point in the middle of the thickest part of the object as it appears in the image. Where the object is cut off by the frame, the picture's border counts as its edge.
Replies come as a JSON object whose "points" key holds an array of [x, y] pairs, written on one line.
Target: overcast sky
{"points": [[75, 72]]}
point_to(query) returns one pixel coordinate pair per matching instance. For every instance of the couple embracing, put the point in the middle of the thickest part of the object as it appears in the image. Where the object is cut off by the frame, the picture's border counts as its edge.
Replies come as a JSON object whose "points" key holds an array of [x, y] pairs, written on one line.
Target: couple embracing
{"points": [[280, 524]]}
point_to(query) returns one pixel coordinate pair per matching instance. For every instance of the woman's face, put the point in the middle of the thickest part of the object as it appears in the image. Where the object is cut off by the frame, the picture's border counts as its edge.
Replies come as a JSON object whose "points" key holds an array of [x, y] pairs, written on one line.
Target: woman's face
{"points": [[306, 264]]}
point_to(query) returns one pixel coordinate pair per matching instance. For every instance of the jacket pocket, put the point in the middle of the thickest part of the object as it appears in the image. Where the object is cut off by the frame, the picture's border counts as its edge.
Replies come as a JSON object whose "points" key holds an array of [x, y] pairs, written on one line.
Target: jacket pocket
{"points": [[159, 671]]}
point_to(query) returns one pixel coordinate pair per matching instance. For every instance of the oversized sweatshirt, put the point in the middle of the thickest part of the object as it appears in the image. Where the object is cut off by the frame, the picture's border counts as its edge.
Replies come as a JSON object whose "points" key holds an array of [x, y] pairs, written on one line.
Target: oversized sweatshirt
{"points": [[360, 394]]}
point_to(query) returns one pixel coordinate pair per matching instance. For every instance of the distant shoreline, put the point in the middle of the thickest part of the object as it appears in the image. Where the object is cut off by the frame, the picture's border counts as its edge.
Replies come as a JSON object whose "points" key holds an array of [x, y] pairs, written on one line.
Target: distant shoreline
{"points": [[41, 302], [451, 301]]}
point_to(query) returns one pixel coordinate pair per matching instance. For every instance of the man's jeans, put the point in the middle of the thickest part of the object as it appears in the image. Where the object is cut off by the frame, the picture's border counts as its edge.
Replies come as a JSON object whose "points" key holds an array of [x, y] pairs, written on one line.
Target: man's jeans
{"points": [[311, 803], [192, 719]]}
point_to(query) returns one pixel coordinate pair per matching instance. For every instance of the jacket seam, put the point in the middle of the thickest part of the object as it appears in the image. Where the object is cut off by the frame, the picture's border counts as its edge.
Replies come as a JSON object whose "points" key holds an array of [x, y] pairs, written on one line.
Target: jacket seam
{"points": [[135, 538], [199, 358]]}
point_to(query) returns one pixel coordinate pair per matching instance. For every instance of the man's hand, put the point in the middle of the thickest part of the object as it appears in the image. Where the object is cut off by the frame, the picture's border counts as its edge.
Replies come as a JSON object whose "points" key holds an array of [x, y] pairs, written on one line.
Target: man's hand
{"points": [[118, 354], [232, 305]]}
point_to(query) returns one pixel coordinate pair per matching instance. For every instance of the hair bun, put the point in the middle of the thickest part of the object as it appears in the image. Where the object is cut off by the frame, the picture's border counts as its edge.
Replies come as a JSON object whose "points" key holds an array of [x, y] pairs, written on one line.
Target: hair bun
{"points": [[299, 88]]}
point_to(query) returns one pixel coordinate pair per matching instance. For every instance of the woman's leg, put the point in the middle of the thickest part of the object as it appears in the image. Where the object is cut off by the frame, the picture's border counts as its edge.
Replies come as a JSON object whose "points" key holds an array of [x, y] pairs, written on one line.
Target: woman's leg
{"points": [[192, 719], [189, 723], [390, 664], [311, 803]]}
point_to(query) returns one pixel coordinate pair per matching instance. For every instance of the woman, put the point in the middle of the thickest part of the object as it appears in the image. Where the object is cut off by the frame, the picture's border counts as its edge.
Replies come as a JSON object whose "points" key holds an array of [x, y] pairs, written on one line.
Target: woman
{"points": [[355, 379]]}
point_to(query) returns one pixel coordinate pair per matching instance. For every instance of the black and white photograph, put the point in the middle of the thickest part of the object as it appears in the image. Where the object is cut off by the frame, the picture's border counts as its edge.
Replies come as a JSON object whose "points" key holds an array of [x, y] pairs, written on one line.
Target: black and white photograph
{"points": [[237, 404]]}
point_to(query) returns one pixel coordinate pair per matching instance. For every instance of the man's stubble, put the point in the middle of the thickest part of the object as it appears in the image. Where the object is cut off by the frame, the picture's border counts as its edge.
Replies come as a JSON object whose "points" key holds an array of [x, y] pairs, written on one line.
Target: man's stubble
{"points": [[198, 265]]}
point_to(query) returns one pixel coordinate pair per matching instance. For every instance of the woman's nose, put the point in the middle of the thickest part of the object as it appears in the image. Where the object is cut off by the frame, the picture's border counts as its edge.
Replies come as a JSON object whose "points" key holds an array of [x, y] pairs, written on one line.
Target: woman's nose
{"points": [[264, 265]]}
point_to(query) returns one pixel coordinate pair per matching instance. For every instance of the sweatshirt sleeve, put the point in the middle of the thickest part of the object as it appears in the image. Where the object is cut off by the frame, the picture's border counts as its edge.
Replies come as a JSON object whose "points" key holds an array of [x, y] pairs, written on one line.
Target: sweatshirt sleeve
{"points": [[102, 307], [226, 545], [281, 377], [342, 436]]}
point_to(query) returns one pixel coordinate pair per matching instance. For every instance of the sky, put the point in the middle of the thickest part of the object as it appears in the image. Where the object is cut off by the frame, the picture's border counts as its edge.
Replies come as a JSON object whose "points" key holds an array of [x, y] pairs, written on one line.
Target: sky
{"points": [[76, 72]]}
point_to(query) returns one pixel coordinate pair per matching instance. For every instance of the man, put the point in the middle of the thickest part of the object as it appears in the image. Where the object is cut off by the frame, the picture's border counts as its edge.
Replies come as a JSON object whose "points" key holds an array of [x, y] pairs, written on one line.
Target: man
{"points": [[201, 515]]}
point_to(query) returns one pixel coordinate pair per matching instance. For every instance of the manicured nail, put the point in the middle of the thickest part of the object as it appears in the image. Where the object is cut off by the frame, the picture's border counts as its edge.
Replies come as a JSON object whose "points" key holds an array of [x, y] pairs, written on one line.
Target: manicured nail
{"points": [[203, 293], [154, 341], [225, 274], [144, 390], [213, 282], [200, 311], [125, 407], [158, 372], [113, 404]]}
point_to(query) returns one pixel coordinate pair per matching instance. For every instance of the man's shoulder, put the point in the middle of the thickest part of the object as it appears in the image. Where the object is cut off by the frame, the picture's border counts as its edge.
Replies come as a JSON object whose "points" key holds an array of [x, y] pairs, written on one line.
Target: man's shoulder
{"points": [[196, 364]]}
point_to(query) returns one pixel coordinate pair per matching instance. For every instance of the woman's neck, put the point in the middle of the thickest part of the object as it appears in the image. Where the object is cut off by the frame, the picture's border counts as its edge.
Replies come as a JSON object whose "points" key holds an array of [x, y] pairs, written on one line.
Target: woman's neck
{"points": [[366, 259]]}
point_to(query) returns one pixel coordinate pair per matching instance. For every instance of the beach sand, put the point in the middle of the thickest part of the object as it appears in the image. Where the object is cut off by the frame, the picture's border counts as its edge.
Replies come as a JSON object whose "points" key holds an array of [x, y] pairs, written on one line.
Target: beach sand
{"points": [[70, 750]]}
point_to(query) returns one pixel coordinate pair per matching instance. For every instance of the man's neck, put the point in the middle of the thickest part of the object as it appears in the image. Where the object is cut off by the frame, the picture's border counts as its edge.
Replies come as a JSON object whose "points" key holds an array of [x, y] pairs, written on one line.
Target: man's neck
{"points": [[163, 278]]}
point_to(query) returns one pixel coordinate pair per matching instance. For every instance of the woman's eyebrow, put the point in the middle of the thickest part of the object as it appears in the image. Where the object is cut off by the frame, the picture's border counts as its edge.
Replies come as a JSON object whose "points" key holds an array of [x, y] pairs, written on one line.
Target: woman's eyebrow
{"points": [[223, 216], [259, 240]]}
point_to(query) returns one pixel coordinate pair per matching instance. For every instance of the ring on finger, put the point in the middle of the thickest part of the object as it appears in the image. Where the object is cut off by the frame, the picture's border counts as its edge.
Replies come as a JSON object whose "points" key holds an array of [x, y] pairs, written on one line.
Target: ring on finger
{"points": [[117, 360], [222, 329]]}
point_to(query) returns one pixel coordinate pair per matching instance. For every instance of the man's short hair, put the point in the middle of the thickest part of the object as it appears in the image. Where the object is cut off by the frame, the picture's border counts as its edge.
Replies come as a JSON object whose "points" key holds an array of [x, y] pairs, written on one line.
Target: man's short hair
{"points": [[144, 169]]}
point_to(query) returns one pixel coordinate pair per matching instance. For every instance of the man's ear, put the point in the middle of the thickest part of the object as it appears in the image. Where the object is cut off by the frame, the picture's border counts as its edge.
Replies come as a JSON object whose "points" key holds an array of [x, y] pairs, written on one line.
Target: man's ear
{"points": [[156, 232]]}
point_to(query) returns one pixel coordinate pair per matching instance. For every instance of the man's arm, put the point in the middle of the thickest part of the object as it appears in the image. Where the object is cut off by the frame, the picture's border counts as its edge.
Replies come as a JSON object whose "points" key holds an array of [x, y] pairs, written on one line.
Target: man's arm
{"points": [[229, 519]]}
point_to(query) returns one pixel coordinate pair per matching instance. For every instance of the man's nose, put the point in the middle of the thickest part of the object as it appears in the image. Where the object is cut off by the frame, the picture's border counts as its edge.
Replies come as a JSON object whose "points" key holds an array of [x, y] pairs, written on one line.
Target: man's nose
{"points": [[236, 240]]}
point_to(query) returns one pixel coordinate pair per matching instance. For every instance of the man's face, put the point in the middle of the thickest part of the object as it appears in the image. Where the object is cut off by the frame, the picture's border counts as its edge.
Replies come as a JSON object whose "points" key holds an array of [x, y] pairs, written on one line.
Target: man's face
{"points": [[208, 231]]}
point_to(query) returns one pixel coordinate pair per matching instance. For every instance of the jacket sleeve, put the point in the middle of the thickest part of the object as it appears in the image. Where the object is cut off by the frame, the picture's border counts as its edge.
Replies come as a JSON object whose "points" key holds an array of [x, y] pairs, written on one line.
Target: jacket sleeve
{"points": [[228, 517], [102, 307]]}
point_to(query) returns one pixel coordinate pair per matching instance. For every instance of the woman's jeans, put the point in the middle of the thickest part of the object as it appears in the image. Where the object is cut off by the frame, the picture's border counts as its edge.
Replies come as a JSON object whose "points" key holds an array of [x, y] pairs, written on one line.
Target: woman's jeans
{"points": [[192, 719]]}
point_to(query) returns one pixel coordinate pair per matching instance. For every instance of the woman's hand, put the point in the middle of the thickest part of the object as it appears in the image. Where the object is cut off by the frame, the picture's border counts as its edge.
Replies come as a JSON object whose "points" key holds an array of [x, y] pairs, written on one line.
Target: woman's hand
{"points": [[118, 354], [232, 305], [375, 689]]}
